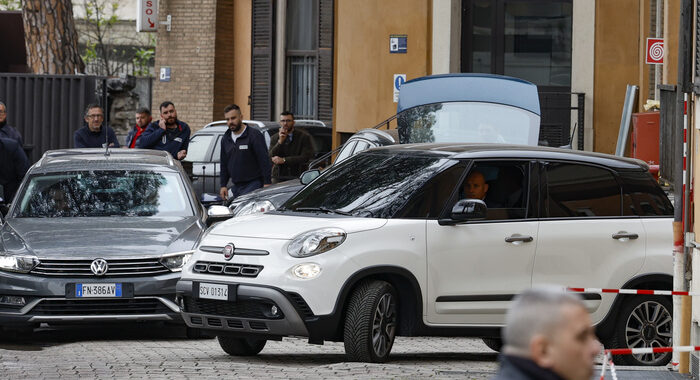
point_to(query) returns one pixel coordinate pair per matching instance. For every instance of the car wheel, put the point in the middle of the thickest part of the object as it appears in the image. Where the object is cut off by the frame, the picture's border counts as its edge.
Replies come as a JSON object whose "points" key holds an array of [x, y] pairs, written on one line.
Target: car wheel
{"points": [[644, 321], [493, 343], [370, 322], [241, 346]]}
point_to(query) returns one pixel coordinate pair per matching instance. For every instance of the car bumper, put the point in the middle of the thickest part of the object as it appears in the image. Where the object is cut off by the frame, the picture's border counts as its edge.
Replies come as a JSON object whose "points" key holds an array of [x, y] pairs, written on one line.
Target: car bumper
{"points": [[250, 313], [46, 299]]}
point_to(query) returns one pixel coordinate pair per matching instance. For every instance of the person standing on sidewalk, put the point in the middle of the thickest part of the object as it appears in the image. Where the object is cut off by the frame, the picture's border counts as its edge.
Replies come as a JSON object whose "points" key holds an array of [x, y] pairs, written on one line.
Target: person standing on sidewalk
{"points": [[6, 131], [548, 336], [94, 134], [143, 118], [168, 133], [290, 150], [244, 158]]}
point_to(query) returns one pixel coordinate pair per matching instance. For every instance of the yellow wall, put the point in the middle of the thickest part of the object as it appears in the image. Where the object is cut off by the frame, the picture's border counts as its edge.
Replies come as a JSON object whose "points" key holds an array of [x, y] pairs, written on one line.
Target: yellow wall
{"points": [[364, 69], [242, 16]]}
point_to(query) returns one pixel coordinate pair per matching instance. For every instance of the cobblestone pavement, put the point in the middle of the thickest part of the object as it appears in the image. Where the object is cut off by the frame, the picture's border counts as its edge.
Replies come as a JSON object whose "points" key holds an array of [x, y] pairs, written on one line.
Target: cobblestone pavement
{"points": [[156, 352], [165, 353]]}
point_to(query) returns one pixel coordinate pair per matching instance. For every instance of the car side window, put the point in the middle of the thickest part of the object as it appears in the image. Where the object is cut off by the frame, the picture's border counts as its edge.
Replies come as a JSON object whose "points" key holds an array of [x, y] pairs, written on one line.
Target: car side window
{"points": [[642, 196], [577, 190], [346, 151], [502, 185], [216, 156], [361, 145], [198, 148], [430, 201]]}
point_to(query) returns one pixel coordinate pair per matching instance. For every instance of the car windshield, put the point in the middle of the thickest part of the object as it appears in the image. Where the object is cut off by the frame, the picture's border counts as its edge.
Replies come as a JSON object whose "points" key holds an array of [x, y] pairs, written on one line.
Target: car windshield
{"points": [[468, 122], [370, 184], [103, 193]]}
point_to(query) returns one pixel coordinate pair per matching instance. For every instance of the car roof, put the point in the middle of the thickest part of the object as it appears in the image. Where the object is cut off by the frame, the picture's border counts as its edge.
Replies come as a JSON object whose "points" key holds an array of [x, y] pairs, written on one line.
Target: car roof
{"points": [[469, 87], [82, 158], [498, 151], [377, 136], [220, 126]]}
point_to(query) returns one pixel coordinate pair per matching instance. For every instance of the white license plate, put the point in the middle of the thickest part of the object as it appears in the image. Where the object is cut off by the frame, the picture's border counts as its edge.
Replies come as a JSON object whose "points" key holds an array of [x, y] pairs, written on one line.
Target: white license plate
{"points": [[98, 290], [213, 291]]}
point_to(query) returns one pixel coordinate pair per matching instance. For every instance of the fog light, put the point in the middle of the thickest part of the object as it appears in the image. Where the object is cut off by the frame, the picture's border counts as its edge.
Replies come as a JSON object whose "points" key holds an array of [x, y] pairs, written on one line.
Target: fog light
{"points": [[274, 310], [12, 300], [307, 271]]}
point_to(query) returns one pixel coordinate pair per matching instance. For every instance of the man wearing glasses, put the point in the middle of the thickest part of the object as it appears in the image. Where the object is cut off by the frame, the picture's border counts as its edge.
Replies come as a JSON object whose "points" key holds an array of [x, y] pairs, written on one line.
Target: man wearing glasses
{"points": [[290, 150], [94, 134], [6, 131]]}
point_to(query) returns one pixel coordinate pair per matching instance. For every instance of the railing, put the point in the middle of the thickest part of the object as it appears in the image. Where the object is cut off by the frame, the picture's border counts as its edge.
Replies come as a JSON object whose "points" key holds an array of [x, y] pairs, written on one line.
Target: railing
{"points": [[556, 112]]}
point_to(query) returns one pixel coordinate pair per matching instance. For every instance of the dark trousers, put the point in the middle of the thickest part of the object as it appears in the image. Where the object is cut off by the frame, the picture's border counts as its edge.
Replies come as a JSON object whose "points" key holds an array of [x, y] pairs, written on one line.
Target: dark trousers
{"points": [[241, 188]]}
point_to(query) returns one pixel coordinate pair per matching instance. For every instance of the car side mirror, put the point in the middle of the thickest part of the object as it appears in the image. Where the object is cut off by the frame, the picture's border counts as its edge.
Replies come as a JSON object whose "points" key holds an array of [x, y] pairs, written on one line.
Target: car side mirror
{"points": [[308, 176], [218, 213], [465, 210], [209, 199]]}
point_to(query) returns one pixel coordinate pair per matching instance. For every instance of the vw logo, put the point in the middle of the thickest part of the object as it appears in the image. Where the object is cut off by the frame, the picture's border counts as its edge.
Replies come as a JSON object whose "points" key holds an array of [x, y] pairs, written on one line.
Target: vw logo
{"points": [[228, 251], [99, 267]]}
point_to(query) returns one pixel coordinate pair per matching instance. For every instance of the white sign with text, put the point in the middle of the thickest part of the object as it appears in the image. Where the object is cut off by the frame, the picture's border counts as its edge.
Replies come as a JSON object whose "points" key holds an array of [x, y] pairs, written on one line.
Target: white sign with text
{"points": [[147, 16]]}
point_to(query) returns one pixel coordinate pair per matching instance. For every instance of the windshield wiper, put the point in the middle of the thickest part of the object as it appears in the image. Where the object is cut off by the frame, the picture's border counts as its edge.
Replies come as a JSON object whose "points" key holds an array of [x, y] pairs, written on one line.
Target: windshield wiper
{"points": [[323, 209]]}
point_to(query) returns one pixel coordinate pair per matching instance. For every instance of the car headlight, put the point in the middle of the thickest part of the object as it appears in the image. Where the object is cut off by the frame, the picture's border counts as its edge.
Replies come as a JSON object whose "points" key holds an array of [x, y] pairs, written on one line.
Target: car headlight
{"points": [[18, 263], [253, 207], [176, 261], [317, 241]]}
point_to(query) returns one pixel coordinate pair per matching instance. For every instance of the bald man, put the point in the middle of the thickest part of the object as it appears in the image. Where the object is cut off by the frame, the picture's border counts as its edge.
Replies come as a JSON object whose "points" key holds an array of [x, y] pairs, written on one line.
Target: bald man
{"points": [[548, 335], [475, 186]]}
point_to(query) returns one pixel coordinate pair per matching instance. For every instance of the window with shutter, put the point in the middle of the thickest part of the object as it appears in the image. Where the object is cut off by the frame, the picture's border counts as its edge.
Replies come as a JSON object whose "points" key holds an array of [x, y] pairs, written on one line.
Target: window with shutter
{"points": [[262, 62]]}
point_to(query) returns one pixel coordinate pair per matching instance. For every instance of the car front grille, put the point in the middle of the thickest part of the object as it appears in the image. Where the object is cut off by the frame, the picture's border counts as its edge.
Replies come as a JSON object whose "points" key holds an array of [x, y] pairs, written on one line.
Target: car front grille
{"points": [[250, 308], [227, 269], [101, 307], [116, 268]]}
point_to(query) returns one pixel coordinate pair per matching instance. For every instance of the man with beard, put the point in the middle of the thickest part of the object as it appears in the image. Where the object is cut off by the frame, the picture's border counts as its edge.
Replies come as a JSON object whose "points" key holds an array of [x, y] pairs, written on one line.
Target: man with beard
{"points": [[13, 166], [6, 131], [94, 134], [290, 150], [143, 117], [244, 157], [168, 134]]}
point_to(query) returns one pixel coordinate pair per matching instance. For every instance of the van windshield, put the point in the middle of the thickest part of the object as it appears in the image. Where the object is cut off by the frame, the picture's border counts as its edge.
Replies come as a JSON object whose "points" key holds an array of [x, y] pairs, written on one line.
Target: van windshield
{"points": [[369, 184], [468, 122]]}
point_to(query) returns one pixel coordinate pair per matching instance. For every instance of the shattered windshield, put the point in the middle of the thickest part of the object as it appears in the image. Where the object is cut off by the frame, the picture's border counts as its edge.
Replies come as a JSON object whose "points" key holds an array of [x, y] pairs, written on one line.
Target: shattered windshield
{"points": [[103, 193], [369, 184]]}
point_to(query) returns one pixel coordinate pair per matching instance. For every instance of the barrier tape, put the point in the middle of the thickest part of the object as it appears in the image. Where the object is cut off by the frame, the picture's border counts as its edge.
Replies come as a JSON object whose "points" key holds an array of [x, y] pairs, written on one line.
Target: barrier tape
{"points": [[633, 291], [651, 350]]}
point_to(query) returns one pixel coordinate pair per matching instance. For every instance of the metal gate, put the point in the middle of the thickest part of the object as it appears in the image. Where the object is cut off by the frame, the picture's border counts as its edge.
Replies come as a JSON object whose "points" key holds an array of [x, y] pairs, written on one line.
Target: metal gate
{"points": [[47, 109]]}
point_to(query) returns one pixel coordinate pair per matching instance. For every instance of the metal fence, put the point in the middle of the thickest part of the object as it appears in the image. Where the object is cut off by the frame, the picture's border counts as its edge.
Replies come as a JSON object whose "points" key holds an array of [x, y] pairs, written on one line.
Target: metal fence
{"points": [[47, 109], [556, 108]]}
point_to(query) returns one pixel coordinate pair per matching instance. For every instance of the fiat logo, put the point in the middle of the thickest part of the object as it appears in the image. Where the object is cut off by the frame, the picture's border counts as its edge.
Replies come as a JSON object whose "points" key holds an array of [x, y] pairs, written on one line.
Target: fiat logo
{"points": [[99, 267], [228, 251]]}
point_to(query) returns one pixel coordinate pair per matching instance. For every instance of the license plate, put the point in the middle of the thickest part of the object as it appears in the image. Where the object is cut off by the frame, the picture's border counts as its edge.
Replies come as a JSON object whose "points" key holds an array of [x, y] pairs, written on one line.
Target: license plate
{"points": [[98, 290], [213, 291]]}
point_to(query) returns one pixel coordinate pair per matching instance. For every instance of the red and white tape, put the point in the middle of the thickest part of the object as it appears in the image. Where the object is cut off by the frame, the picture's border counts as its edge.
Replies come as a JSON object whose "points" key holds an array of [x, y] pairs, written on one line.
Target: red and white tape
{"points": [[633, 291], [651, 350]]}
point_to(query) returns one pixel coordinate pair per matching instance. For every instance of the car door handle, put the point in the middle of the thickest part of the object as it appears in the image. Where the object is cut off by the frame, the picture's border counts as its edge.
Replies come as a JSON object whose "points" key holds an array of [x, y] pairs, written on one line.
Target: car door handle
{"points": [[518, 238], [624, 235]]}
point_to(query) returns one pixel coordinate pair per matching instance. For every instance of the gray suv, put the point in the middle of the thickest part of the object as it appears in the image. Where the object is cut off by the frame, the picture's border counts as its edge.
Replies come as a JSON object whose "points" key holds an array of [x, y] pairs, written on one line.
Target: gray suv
{"points": [[97, 236]]}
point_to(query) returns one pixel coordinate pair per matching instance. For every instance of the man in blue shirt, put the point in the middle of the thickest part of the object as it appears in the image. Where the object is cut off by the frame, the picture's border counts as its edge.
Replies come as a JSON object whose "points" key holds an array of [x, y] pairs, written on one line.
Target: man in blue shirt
{"points": [[244, 158], [168, 133], [6, 131], [94, 134]]}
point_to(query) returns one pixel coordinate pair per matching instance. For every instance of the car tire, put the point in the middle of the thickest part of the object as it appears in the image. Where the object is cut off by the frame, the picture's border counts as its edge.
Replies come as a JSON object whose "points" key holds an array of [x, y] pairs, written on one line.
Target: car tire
{"points": [[493, 343], [643, 321], [241, 346], [371, 321]]}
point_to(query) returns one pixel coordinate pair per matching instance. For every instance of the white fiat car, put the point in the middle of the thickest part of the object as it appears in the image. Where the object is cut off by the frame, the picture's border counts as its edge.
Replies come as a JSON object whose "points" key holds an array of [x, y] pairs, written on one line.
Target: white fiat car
{"points": [[388, 243]]}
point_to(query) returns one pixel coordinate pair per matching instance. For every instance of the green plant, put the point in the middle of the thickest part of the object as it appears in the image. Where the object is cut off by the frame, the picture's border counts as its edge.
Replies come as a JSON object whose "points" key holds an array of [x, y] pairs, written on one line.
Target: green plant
{"points": [[10, 5]]}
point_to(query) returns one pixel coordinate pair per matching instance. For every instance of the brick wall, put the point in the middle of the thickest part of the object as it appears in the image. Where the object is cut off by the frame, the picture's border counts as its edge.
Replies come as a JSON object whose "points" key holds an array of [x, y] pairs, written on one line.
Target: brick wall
{"points": [[189, 50]]}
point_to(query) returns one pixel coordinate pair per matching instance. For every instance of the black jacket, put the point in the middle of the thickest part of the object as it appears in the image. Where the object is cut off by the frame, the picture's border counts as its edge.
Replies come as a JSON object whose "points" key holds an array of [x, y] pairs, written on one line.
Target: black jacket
{"points": [[169, 140], [13, 166], [246, 159], [7, 132], [517, 368], [85, 138], [296, 154]]}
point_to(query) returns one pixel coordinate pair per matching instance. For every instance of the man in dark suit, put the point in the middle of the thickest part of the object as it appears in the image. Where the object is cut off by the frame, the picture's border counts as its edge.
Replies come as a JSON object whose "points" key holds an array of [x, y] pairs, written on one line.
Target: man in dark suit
{"points": [[13, 166], [290, 150]]}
